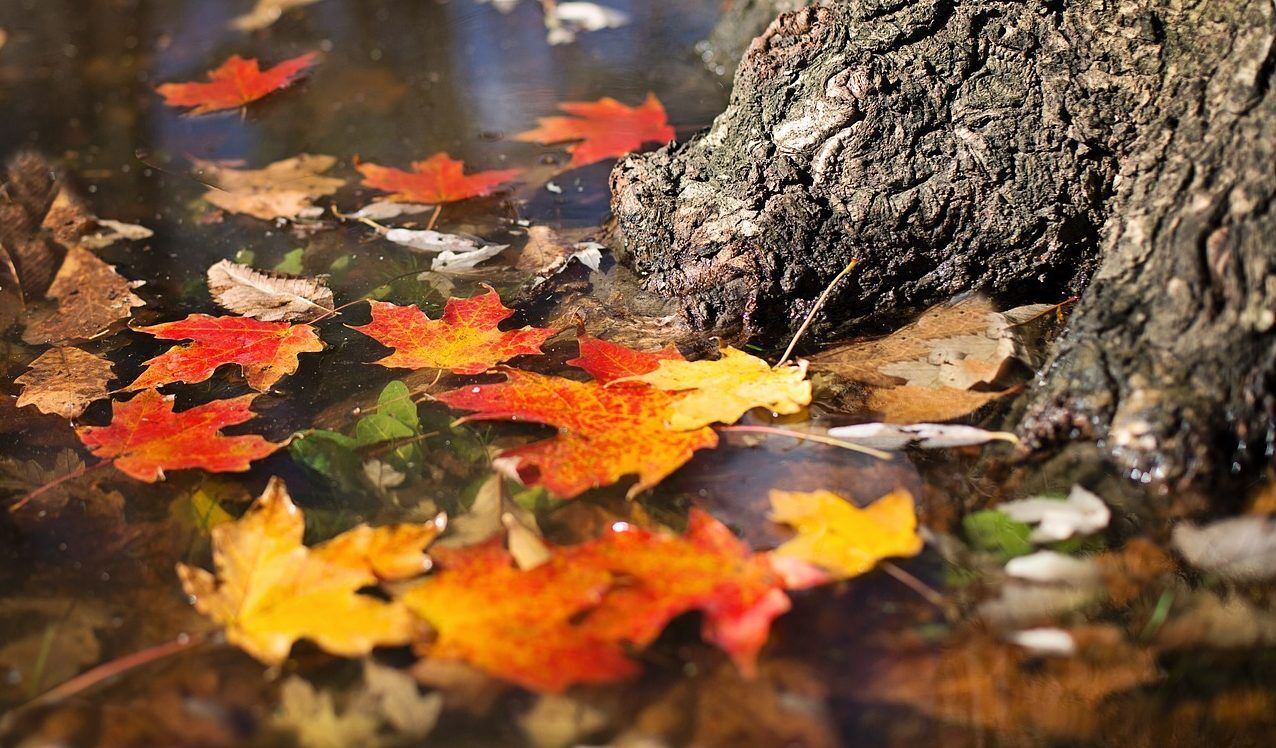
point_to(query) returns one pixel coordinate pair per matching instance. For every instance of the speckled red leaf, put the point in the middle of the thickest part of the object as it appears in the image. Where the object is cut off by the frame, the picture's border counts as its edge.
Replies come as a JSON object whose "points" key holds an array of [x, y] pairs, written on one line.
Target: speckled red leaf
{"points": [[438, 179], [266, 351], [236, 83], [145, 437], [465, 340], [607, 362], [574, 618], [603, 129]]}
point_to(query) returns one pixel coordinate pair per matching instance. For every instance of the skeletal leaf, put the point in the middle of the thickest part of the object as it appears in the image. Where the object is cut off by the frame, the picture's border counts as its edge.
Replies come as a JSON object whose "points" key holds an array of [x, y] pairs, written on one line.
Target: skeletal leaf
{"points": [[836, 535], [269, 590], [271, 297], [63, 381]]}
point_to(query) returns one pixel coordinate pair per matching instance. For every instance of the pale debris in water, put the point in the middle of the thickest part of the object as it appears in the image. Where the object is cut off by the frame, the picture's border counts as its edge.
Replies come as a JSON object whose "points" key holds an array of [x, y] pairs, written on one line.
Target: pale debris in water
{"points": [[1082, 513]]}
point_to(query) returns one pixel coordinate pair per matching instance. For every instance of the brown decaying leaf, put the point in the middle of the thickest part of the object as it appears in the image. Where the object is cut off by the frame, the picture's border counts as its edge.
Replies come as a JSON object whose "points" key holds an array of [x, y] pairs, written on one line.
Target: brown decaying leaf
{"points": [[284, 189], [63, 381], [89, 297], [28, 258], [913, 404], [271, 297]]}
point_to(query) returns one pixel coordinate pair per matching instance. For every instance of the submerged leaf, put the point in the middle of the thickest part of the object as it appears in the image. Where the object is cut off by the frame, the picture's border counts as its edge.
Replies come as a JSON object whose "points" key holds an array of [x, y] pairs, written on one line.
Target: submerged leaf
{"points": [[270, 591], [63, 381], [268, 296], [836, 535], [603, 129], [284, 189]]}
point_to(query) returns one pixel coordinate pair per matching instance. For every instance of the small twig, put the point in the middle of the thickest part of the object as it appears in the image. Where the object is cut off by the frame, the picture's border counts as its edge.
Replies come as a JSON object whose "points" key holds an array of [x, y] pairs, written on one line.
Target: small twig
{"points": [[810, 317], [913, 583], [434, 217], [77, 473], [115, 667], [817, 438]]}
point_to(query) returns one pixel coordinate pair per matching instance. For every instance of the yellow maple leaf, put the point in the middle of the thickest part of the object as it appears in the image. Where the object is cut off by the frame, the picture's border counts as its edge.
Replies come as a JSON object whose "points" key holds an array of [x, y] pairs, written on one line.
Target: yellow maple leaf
{"points": [[722, 391], [270, 590], [837, 535]]}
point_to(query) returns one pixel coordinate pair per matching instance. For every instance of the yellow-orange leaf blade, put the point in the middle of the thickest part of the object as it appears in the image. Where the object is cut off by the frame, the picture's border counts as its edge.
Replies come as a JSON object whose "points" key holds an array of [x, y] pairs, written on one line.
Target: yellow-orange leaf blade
{"points": [[836, 535], [237, 82], [603, 129], [269, 590]]}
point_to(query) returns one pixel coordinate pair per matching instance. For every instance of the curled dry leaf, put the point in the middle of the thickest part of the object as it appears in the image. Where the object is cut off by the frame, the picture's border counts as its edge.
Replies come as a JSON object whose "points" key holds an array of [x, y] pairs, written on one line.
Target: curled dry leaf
{"points": [[920, 435], [438, 179], [271, 297], [723, 390], [1082, 513], [63, 381], [836, 535], [566, 19], [88, 297], [145, 437], [284, 189], [454, 251], [1241, 549], [265, 13], [547, 253], [465, 340], [603, 129], [265, 351], [270, 591], [235, 84]]}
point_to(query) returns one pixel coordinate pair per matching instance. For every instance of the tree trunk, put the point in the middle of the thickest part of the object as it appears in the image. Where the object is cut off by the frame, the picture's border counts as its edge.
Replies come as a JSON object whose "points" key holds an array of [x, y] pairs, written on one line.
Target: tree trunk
{"points": [[1010, 148]]}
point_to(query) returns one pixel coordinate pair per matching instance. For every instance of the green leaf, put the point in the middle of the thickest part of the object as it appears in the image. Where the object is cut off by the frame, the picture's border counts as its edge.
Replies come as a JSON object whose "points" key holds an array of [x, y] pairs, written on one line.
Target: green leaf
{"points": [[291, 263], [396, 401], [990, 530], [380, 427], [332, 455]]}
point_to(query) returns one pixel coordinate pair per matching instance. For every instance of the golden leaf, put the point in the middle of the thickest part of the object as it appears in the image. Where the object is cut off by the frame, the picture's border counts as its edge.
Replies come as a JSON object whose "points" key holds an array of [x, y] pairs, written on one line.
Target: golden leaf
{"points": [[837, 535], [270, 590]]}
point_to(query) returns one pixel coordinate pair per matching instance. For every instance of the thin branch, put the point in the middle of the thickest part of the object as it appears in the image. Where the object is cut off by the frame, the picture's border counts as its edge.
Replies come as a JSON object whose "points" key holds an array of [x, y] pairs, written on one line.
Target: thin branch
{"points": [[819, 304]]}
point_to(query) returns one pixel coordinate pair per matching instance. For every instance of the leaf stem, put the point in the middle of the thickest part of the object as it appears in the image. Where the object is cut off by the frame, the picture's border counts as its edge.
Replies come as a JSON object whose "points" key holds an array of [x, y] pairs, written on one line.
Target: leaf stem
{"points": [[817, 438], [819, 304], [118, 666], [913, 583], [78, 472]]}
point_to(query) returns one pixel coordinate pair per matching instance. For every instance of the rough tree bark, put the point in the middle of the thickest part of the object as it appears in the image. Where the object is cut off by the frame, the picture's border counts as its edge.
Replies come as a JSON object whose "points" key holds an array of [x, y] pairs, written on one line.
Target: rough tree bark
{"points": [[1010, 148]]}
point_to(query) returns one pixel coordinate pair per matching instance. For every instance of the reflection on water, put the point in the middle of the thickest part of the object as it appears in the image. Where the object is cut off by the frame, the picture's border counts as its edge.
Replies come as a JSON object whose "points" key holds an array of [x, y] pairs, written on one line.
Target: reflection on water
{"points": [[1169, 658]]}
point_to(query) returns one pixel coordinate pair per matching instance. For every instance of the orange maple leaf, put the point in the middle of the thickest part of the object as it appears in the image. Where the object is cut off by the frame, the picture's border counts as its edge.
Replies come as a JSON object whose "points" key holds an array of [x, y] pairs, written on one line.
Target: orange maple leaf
{"points": [[235, 84], [266, 351], [465, 340], [574, 618], [608, 362], [604, 129], [438, 179], [604, 432], [145, 437]]}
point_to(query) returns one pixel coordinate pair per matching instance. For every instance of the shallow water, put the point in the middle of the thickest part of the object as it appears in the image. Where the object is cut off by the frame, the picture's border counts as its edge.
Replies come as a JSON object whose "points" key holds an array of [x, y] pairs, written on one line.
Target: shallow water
{"points": [[901, 657]]}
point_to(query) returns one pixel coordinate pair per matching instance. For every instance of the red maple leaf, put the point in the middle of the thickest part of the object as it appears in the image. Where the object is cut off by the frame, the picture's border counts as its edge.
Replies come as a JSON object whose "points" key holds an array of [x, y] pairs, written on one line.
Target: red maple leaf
{"points": [[235, 84], [604, 432], [465, 340], [607, 361], [145, 437], [438, 179], [574, 618], [603, 129], [266, 351]]}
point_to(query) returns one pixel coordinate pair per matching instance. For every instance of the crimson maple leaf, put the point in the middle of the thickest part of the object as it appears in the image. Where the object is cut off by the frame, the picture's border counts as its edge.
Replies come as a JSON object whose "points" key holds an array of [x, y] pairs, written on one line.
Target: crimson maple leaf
{"points": [[603, 129], [438, 179], [236, 83], [145, 437], [465, 340], [574, 618], [604, 432], [266, 351]]}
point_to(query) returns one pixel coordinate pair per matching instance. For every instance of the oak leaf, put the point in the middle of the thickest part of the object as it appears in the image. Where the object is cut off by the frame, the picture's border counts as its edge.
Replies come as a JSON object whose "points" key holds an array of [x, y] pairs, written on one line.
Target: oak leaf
{"points": [[465, 340], [836, 535], [235, 84], [88, 297], [63, 381], [723, 390], [603, 129], [574, 618], [284, 189], [265, 351], [269, 590], [146, 437], [604, 432], [438, 179], [271, 297]]}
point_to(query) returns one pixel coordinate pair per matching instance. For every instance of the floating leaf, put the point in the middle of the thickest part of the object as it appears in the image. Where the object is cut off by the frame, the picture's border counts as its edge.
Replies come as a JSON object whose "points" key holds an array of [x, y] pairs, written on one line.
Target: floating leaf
{"points": [[145, 437], [265, 351], [438, 179], [284, 189], [268, 296], [573, 618], [270, 591], [465, 340], [603, 129], [834, 534], [63, 381], [235, 84], [723, 390], [89, 297]]}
